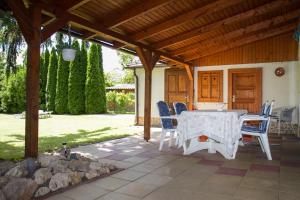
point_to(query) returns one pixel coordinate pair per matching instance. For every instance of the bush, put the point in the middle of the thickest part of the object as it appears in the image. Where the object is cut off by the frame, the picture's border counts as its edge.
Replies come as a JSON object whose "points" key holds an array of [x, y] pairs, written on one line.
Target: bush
{"points": [[76, 100], [120, 102], [13, 93], [93, 97], [51, 81], [61, 99]]}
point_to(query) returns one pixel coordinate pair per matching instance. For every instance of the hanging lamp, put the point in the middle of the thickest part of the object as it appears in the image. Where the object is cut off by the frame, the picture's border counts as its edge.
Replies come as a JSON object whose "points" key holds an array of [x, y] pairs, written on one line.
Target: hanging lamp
{"points": [[69, 53]]}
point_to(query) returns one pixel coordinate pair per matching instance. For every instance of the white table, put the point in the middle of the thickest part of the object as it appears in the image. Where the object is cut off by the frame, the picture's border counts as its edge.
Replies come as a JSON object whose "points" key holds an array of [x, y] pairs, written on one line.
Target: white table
{"points": [[223, 129]]}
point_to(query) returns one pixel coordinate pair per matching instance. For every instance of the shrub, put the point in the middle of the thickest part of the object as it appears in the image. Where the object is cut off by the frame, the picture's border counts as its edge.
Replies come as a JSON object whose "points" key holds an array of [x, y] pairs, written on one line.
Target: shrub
{"points": [[76, 99], [120, 102], [61, 99], [93, 97], [51, 81], [13, 93]]}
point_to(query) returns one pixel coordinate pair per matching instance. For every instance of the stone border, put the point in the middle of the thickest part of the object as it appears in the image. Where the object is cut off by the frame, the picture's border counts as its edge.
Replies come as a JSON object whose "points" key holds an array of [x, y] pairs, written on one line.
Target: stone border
{"points": [[76, 185]]}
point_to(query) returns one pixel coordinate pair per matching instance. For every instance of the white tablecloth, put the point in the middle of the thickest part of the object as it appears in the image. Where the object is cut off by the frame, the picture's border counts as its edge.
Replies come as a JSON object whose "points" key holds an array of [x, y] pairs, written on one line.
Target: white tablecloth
{"points": [[222, 126]]}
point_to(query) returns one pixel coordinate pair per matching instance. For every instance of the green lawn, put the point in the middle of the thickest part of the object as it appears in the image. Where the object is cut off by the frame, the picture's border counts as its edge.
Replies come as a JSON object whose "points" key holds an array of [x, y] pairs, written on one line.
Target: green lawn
{"points": [[74, 129]]}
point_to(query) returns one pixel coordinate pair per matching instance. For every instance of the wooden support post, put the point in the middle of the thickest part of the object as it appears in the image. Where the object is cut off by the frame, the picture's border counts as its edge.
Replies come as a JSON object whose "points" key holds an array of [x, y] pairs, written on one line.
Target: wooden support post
{"points": [[191, 86], [32, 84], [148, 59]]}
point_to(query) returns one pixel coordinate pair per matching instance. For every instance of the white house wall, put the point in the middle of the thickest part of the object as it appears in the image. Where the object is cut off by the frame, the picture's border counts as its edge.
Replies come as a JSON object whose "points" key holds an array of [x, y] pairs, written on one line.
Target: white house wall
{"points": [[158, 89], [284, 90]]}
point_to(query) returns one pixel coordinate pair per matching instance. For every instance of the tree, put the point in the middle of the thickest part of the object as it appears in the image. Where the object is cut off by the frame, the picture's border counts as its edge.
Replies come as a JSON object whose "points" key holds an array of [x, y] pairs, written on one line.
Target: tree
{"points": [[83, 60], [43, 76], [51, 81], [93, 98], [126, 59], [11, 40], [102, 81], [61, 99], [13, 93], [76, 85]]}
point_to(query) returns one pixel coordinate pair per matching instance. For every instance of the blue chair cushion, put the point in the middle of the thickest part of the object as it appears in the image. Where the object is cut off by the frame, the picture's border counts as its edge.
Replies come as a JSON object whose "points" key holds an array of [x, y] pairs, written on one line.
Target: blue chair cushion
{"points": [[163, 109], [179, 108], [251, 128]]}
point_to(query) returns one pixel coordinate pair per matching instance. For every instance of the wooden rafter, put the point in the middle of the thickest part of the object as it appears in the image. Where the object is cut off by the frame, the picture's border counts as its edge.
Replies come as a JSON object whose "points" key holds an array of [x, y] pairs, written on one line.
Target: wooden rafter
{"points": [[239, 32], [186, 17], [239, 17], [99, 28], [243, 41], [128, 14], [88, 35]]}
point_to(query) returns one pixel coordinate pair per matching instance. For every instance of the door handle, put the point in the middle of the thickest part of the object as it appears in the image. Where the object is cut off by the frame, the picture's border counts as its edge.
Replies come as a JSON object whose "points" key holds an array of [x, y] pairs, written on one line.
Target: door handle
{"points": [[233, 98]]}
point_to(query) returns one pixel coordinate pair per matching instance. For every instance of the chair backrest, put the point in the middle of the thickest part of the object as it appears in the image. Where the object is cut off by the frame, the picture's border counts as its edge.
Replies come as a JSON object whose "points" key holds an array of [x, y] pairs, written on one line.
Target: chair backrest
{"points": [[286, 115], [164, 111], [263, 108], [179, 107], [264, 125]]}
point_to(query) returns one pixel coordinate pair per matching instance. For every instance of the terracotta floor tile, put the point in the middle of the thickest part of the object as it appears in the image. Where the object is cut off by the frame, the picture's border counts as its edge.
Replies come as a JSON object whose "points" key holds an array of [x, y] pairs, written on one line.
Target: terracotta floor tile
{"points": [[265, 168], [231, 171]]}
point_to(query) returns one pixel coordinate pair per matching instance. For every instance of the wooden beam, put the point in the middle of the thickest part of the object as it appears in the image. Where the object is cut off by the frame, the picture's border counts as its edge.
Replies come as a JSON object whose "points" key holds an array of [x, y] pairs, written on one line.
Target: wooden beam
{"points": [[237, 33], [191, 86], [89, 35], [32, 84], [202, 11], [219, 24], [21, 14], [128, 14], [54, 26], [148, 59], [244, 41]]}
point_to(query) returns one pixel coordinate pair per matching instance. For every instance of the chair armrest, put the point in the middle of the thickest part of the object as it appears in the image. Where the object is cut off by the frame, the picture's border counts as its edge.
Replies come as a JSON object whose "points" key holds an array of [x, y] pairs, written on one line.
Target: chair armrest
{"points": [[169, 117], [253, 118]]}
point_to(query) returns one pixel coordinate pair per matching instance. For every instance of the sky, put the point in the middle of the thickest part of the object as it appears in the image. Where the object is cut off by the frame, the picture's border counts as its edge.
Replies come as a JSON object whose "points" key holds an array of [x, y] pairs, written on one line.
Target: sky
{"points": [[110, 59]]}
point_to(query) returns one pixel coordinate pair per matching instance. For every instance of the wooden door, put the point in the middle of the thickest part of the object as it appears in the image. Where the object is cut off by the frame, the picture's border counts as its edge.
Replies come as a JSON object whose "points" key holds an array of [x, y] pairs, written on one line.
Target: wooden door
{"points": [[245, 89], [176, 86]]}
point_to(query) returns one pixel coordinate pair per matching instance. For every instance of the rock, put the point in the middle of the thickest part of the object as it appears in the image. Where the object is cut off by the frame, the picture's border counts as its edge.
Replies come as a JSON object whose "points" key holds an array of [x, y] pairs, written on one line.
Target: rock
{"points": [[110, 166], [59, 180], [3, 181], [91, 174], [17, 171], [2, 197], [100, 168], [42, 175], [74, 156], [59, 166], [103, 170], [42, 191], [5, 166], [45, 160], [75, 177], [79, 165], [20, 189], [30, 165]]}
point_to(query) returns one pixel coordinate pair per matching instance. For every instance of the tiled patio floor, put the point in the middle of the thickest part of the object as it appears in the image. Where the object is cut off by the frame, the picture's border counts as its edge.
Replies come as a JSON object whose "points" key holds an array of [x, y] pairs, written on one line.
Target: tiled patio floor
{"points": [[168, 175]]}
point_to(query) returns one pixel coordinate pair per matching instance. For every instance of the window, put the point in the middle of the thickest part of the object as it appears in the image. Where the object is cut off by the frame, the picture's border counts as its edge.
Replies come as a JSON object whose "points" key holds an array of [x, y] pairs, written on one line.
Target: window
{"points": [[210, 86]]}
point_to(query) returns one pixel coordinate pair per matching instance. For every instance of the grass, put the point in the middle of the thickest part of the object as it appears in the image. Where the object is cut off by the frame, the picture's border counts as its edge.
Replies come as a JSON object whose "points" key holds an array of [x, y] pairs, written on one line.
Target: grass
{"points": [[75, 130]]}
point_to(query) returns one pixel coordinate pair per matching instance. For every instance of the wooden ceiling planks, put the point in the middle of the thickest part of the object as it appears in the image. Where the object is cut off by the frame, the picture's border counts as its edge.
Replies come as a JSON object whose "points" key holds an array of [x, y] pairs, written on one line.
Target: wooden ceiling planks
{"points": [[151, 21]]}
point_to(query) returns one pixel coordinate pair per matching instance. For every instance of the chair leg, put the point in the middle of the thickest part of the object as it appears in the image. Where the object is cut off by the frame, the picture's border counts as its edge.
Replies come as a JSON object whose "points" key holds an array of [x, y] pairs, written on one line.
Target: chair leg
{"points": [[162, 138], [172, 135], [265, 142], [292, 127], [261, 145]]}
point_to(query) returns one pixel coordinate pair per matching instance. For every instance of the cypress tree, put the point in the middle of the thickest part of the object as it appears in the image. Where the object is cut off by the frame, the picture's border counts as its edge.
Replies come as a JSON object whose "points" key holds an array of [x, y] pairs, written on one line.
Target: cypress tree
{"points": [[93, 98], [102, 81], [43, 77], [83, 60], [61, 99], [76, 86], [51, 81]]}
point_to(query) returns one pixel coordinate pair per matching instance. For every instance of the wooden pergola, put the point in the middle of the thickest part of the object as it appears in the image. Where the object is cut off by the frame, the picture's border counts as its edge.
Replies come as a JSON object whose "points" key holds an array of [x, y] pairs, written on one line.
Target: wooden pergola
{"points": [[177, 32]]}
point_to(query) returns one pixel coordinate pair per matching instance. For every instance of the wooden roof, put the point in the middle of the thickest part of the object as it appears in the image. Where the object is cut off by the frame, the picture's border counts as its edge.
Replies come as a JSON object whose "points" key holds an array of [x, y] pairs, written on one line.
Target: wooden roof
{"points": [[180, 30]]}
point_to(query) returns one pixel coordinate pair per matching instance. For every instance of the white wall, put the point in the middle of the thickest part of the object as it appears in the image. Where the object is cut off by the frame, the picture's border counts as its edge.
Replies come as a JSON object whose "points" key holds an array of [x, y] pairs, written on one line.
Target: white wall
{"points": [[282, 89], [158, 89]]}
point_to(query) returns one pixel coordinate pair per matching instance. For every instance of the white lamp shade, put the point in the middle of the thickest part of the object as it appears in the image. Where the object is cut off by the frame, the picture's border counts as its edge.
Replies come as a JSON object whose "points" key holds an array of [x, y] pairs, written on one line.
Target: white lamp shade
{"points": [[68, 54]]}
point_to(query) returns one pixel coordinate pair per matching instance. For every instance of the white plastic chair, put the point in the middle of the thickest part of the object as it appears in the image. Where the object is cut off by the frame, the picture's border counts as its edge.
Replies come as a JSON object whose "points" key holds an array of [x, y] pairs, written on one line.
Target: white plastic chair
{"points": [[166, 123], [260, 131]]}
